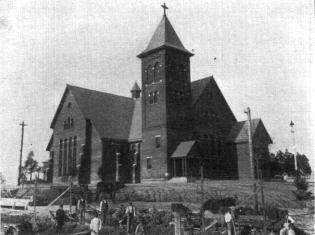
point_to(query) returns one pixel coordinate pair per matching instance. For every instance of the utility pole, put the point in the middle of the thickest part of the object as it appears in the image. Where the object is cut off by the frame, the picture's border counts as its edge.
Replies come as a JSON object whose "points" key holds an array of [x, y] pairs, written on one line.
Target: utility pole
{"points": [[202, 199], [21, 153], [134, 165], [117, 176], [70, 194], [263, 200], [34, 198], [294, 148], [251, 156]]}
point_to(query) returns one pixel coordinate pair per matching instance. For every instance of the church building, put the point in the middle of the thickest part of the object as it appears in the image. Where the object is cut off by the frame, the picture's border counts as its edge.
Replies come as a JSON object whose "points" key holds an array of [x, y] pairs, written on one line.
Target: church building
{"points": [[170, 128]]}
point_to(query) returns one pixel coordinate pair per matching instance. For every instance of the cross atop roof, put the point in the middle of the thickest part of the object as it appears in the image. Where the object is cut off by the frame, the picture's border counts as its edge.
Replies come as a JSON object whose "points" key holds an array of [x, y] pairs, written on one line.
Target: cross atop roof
{"points": [[164, 8]]}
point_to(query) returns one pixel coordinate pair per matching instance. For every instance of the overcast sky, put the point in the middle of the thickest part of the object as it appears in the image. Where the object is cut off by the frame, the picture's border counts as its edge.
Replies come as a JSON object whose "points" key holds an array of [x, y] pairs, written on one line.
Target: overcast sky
{"points": [[264, 51]]}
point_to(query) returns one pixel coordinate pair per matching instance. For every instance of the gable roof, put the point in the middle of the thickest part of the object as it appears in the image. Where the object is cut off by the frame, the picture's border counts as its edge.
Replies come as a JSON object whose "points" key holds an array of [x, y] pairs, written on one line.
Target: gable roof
{"points": [[136, 122], [164, 35], [135, 87], [183, 149], [110, 114], [50, 143], [239, 132], [197, 88]]}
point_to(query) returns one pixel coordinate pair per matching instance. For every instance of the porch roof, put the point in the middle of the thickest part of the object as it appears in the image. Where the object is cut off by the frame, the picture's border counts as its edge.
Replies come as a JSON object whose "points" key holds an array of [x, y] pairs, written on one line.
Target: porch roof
{"points": [[183, 149]]}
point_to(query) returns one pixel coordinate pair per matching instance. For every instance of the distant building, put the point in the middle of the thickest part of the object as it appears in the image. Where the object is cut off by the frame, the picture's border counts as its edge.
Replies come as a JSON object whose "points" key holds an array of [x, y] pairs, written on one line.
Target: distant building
{"points": [[168, 127]]}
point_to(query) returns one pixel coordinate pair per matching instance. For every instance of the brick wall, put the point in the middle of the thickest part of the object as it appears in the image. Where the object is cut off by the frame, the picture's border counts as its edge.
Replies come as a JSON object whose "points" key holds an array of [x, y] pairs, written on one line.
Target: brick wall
{"points": [[243, 161], [60, 134]]}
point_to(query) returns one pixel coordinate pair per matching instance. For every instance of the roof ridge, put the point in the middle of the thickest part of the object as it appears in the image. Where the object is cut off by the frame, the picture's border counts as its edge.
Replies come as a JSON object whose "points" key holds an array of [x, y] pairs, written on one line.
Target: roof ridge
{"points": [[202, 79], [102, 92]]}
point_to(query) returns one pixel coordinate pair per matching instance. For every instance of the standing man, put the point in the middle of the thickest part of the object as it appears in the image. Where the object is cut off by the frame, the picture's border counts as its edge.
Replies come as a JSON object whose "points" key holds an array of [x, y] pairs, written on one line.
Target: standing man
{"points": [[104, 210], [82, 206], [228, 221], [60, 219], [130, 213], [96, 224]]}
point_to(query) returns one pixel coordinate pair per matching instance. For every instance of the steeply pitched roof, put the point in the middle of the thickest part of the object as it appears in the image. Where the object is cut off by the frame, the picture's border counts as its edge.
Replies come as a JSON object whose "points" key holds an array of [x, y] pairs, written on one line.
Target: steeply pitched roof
{"points": [[136, 122], [135, 87], [183, 149], [164, 35], [239, 132], [50, 143], [197, 87], [110, 114]]}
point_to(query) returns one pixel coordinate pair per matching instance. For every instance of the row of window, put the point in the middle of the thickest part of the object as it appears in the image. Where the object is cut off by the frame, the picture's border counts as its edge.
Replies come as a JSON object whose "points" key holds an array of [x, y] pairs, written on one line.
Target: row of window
{"points": [[153, 97], [210, 115], [152, 73], [67, 156], [68, 123]]}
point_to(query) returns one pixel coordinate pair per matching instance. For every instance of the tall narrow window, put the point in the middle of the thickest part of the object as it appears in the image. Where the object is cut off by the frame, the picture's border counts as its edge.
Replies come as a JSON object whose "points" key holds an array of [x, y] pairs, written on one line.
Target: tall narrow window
{"points": [[149, 74], [212, 144], [71, 123], [155, 97], [60, 158], [149, 163], [70, 157], [156, 72], [157, 141], [74, 156], [151, 94], [65, 158]]}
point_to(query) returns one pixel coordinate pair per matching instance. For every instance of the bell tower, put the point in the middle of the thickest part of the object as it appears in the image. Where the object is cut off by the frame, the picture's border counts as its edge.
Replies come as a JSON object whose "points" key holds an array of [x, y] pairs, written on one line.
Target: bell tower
{"points": [[166, 99]]}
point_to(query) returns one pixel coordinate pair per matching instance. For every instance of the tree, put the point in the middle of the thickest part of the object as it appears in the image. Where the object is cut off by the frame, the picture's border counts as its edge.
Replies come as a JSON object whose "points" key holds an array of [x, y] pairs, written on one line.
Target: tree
{"points": [[283, 162], [2, 178], [303, 164], [30, 164]]}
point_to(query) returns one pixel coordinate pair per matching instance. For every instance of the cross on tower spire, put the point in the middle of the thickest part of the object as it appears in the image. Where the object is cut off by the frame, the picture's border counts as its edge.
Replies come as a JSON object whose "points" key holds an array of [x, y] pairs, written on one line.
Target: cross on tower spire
{"points": [[164, 8]]}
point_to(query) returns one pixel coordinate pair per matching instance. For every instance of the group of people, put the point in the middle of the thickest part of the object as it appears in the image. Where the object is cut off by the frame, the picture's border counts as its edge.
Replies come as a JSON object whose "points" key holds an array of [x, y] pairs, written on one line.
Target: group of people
{"points": [[128, 213], [123, 214], [229, 219]]}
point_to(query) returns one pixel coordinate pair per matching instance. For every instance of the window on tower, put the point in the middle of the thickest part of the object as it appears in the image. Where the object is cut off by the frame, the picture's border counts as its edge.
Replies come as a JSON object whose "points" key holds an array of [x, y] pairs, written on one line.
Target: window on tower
{"points": [[153, 97], [157, 141], [149, 163], [149, 74], [156, 72]]}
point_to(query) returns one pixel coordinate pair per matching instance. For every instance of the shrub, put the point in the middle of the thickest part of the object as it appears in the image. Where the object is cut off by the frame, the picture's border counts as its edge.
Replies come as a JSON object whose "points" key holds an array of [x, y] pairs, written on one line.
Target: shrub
{"points": [[300, 182], [301, 185], [214, 204]]}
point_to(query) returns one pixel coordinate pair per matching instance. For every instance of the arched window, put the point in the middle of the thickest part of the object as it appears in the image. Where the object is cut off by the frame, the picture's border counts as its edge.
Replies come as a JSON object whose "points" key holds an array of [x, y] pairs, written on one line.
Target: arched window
{"points": [[149, 74], [156, 72]]}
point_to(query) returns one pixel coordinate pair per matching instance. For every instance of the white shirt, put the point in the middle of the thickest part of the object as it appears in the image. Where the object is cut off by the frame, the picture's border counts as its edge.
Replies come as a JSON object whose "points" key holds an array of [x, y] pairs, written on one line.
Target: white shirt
{"points": [[130, 210], [227, 217], [291, 231], [95, 226]]}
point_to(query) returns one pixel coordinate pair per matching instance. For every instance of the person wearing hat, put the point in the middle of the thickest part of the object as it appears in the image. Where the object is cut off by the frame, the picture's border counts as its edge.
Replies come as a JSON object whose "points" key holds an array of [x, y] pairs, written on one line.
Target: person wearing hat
{"points": [[81, 207], [289, 219], [60, 219], [130, 213], [104, 210], [96, 224]]}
